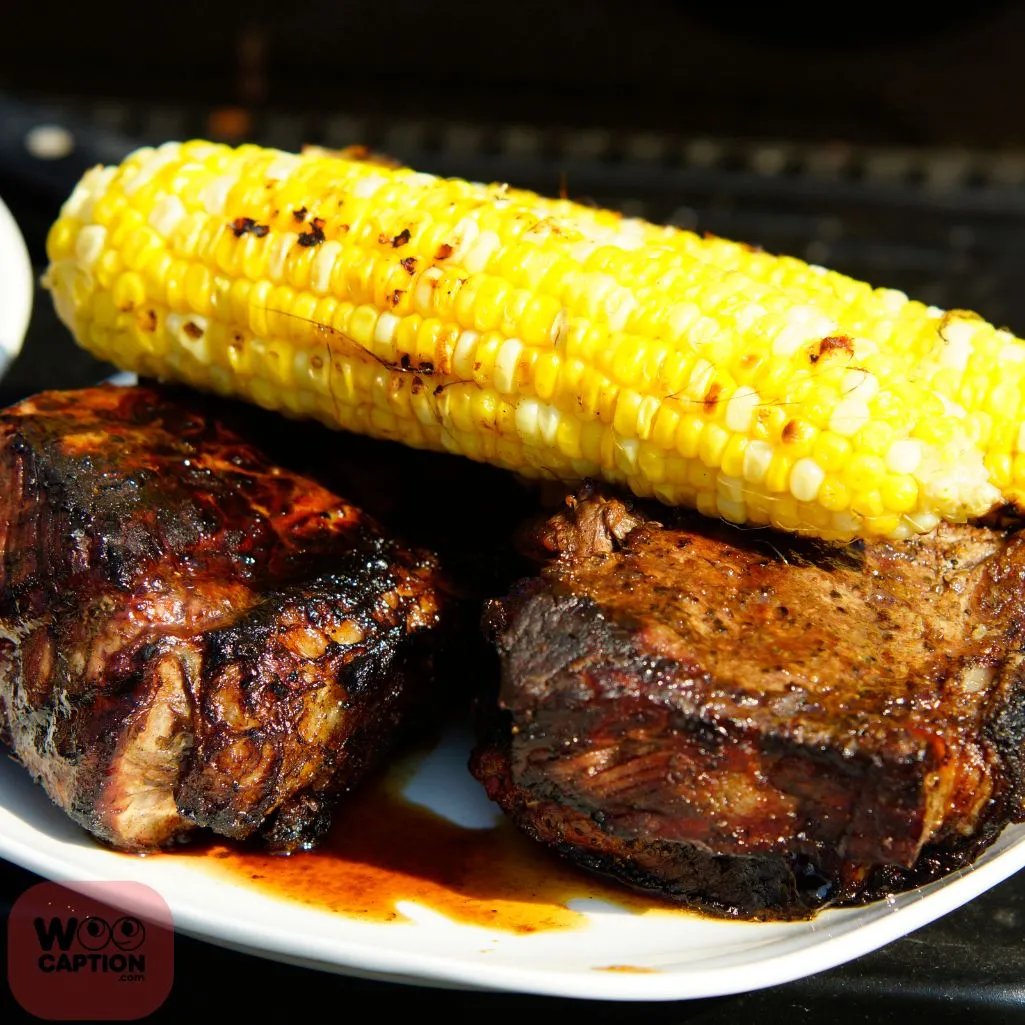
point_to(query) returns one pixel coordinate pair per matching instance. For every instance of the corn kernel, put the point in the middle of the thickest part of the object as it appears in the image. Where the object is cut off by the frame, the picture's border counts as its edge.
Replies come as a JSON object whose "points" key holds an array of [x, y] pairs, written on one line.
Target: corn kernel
{"points": [[777, 477], [688, 435], [880, 524], [628, 406], [899, 493], [864, 473], [1001, 469], [714, 440], [707, 503], [129, 292], [733, 457], [868, 504], [538, 318], [831, 451], [875, 438], [806, 477], [785, 513], [833, 496], [663, 430]]}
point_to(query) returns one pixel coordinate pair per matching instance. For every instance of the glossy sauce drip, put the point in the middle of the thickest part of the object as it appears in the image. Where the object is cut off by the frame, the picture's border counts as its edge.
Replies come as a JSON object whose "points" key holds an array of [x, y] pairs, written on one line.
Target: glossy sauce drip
{"points": [[383, 849]]}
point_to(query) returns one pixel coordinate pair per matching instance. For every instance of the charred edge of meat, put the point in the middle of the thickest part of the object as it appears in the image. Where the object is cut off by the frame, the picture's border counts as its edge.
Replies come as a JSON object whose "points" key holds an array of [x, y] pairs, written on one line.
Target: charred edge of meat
{"points": [[1006, 732], [755, 887], [687, 874]]}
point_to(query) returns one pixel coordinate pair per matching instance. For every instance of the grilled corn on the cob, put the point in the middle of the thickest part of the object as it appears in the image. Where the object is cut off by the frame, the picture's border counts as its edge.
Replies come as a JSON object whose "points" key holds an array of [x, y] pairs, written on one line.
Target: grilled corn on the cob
{"points": [[543, 336]]}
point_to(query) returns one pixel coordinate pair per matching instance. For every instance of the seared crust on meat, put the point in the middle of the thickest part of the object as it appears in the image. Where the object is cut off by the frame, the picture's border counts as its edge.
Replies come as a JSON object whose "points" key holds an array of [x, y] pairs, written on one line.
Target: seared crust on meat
{"points": [[193, 635], [755, 724]]}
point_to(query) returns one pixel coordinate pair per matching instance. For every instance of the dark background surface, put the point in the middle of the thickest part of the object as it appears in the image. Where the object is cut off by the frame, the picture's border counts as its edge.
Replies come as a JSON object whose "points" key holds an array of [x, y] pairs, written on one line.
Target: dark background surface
{"points": [[892, 148], [877, 72]]}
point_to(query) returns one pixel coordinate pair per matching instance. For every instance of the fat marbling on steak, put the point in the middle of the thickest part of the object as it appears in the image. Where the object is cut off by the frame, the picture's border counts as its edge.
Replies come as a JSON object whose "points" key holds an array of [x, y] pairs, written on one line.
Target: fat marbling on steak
{"points": [[192, 635], [753, 724]]}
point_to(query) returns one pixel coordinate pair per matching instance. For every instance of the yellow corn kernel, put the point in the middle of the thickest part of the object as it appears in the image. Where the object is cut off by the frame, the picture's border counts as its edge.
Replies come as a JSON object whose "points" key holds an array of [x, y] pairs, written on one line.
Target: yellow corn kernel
{"points": [[899, 494], [833, 496], [777, 477], [864, 473], [733, 456], [831, 451]]}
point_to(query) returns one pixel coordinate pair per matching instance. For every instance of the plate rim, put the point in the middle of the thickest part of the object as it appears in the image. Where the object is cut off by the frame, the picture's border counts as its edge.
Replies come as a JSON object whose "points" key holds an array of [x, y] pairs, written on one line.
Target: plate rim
{"points": [[16, 288]]}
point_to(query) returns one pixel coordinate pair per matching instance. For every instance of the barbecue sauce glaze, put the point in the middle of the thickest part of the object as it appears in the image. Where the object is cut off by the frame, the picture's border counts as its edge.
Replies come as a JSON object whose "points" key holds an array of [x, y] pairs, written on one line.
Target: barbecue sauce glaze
{"points": [[383, 849]]}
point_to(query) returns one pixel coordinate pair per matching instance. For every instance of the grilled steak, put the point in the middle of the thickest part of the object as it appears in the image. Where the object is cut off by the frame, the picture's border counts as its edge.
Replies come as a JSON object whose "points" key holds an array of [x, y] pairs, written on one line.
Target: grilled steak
{"points": [[190, 634], [755, 725]]}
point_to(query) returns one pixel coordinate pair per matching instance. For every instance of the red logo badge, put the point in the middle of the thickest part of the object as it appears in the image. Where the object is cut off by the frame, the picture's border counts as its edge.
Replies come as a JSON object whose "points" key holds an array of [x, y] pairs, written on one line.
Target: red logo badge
{"points": [[95, 952]]}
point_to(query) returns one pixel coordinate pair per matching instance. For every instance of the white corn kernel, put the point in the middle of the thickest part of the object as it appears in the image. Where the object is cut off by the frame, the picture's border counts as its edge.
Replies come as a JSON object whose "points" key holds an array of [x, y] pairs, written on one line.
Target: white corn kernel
{"points": [[505, 365], [150, 168], [735, 512], [700, 377], [954, 347], [548, 422], [904, 456], [423, 292], [484, 247], [94, 184], [619, 304], [849, 416], [385, 328], [165, 215], [89, 245], [527, 410], [462, 356], [464, 234], [740, 409], [277, 255], [757, 457], [282, 166], [861, 383], [328, 254], [731, 488], [214, 196], [806, 478]]}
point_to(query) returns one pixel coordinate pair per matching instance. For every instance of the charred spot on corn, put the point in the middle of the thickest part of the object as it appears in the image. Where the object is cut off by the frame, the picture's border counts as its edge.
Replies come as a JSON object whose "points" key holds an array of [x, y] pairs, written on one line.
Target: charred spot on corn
{"points": [[406, 366], [248, 226], [395, 241], [315, 236], [830, 344]]}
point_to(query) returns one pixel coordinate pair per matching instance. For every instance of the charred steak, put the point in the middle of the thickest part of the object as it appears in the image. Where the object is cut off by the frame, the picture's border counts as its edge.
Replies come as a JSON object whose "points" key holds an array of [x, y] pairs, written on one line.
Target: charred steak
{"points": [[755, 725], [190, 634]]}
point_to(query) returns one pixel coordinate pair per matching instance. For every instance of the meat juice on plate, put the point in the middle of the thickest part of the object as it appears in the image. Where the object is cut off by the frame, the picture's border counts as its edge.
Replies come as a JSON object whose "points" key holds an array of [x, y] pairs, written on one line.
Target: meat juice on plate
{"points": [[385, 847]]}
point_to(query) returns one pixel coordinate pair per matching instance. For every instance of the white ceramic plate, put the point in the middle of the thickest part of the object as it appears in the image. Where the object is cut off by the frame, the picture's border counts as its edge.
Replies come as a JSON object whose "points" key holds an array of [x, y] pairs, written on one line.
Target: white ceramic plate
{"points": [[15, 288], [656, 955], [653, 956]]}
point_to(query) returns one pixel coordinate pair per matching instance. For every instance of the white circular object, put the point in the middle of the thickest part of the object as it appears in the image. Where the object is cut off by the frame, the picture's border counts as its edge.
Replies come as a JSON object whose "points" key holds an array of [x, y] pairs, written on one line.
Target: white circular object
{"points": [[49, 142], [15, 289]]}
